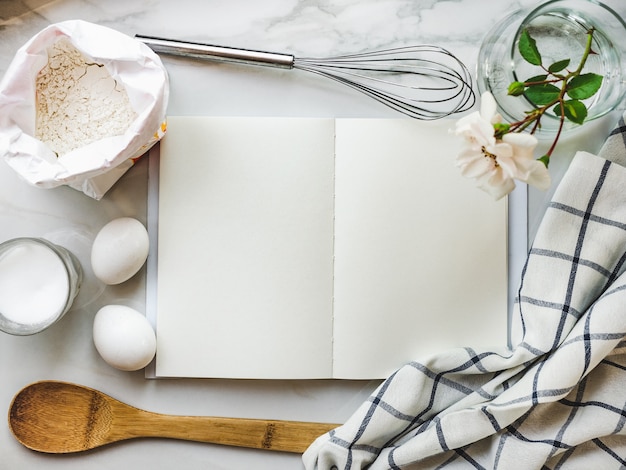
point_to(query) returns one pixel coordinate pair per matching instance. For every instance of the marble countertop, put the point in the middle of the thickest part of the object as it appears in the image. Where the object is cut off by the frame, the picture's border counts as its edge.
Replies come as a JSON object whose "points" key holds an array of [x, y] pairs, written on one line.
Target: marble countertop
{"points": [[301, 27]]}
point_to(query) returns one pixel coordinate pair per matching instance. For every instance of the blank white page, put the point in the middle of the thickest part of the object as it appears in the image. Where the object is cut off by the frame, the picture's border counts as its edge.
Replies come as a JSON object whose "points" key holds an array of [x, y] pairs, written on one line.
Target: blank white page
{"points": [[420, 252], [245, 248]]}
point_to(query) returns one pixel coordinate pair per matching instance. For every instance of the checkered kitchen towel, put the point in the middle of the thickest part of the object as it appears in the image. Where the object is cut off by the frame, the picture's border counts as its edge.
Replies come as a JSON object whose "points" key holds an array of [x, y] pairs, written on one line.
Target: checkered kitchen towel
{"points": [[557, 400]]}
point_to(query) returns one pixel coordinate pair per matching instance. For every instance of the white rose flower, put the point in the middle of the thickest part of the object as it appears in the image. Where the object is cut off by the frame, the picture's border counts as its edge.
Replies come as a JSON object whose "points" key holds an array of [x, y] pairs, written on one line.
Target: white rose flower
{"points": [[497, 163]]}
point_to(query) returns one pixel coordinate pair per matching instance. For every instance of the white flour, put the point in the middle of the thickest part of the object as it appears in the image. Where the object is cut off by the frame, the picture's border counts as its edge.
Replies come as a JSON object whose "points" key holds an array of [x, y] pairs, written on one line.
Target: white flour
{"points": [[78, 101]]}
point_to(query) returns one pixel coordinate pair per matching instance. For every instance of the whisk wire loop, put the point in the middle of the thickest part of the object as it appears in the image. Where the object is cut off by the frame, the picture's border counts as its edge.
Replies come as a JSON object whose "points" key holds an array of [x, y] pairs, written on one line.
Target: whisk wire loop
{"points": [[424, 81], [409, 79]]}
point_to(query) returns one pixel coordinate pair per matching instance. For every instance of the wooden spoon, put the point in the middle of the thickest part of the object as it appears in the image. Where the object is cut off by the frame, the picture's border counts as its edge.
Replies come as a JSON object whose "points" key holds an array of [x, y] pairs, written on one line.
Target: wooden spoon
{"points": [[59, 417]]}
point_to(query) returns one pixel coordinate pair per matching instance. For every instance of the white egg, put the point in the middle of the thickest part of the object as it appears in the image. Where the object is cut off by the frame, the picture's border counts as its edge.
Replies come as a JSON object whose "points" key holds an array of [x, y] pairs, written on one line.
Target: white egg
{"points": [[119, 250], [123, 337]]}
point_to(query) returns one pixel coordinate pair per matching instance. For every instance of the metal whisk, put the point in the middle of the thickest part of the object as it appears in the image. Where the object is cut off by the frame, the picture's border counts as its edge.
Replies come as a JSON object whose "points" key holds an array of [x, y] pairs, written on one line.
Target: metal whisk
{"points": [[424, 82]]}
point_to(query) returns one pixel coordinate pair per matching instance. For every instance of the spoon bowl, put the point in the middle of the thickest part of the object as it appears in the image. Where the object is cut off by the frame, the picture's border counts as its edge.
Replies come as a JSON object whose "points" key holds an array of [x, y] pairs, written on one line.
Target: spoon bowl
{"points": [[60, 417]]}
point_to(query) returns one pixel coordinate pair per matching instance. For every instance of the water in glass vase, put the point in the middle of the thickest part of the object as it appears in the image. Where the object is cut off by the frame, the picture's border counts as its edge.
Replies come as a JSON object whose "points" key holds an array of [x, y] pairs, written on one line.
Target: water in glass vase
{"points": [[560, 29]]}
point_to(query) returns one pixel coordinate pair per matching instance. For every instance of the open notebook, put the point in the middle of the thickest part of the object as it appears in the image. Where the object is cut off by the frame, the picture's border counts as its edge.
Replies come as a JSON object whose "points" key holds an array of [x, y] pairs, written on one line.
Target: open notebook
{"points": [[296, 248]]}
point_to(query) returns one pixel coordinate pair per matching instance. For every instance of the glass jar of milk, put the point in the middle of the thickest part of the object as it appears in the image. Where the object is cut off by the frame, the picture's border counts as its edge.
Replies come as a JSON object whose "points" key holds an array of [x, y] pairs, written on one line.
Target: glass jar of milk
{"points": [[38, 283]]}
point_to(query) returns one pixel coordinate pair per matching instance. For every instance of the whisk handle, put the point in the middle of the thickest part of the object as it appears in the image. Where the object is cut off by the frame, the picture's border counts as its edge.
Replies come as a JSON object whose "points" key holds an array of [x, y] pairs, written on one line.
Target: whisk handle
{"points": [[217, 53]]}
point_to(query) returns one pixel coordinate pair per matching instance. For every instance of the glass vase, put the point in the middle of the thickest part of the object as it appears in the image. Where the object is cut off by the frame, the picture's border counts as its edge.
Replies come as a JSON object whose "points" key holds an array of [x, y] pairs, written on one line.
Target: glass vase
{"points": [[560, 28]]}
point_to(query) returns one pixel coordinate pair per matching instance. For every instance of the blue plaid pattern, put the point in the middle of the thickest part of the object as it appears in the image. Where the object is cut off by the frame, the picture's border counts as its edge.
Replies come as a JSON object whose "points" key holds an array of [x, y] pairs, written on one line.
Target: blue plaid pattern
{"points": [[557, 399]]}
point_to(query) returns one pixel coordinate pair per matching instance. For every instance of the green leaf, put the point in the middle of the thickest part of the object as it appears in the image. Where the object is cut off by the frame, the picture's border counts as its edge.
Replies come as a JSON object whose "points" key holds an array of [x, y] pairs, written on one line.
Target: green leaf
{"points": [[574, 110], [558, 66], [528, 48], [542, 94], [536, 79], [584, 86]]}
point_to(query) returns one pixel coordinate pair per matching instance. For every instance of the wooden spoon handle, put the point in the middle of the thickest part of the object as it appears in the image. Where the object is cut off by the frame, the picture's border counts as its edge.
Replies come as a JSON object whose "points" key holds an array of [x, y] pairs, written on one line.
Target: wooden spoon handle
{"points": [[285, 436], [59, 417]]}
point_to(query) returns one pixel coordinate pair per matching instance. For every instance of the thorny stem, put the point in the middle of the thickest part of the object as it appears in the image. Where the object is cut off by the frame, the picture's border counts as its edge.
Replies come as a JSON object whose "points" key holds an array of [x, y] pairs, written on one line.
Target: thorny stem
{"points": [[558, 133], [536, 115], [586, 53]]}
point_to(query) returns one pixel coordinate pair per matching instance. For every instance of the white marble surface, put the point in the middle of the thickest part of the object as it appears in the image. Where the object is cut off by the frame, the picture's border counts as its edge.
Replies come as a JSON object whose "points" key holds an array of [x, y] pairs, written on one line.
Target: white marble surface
{"points": [[302, 27]]}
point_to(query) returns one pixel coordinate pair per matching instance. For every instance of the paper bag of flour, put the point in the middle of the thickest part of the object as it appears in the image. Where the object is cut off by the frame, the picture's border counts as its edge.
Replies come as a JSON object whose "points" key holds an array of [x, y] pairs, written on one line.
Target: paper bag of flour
{"points": [[78, 104]]}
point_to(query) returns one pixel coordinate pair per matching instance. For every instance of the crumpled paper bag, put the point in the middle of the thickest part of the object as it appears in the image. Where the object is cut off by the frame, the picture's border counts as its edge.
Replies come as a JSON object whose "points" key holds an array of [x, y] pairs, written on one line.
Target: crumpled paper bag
{"points": [[93, 168]]}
